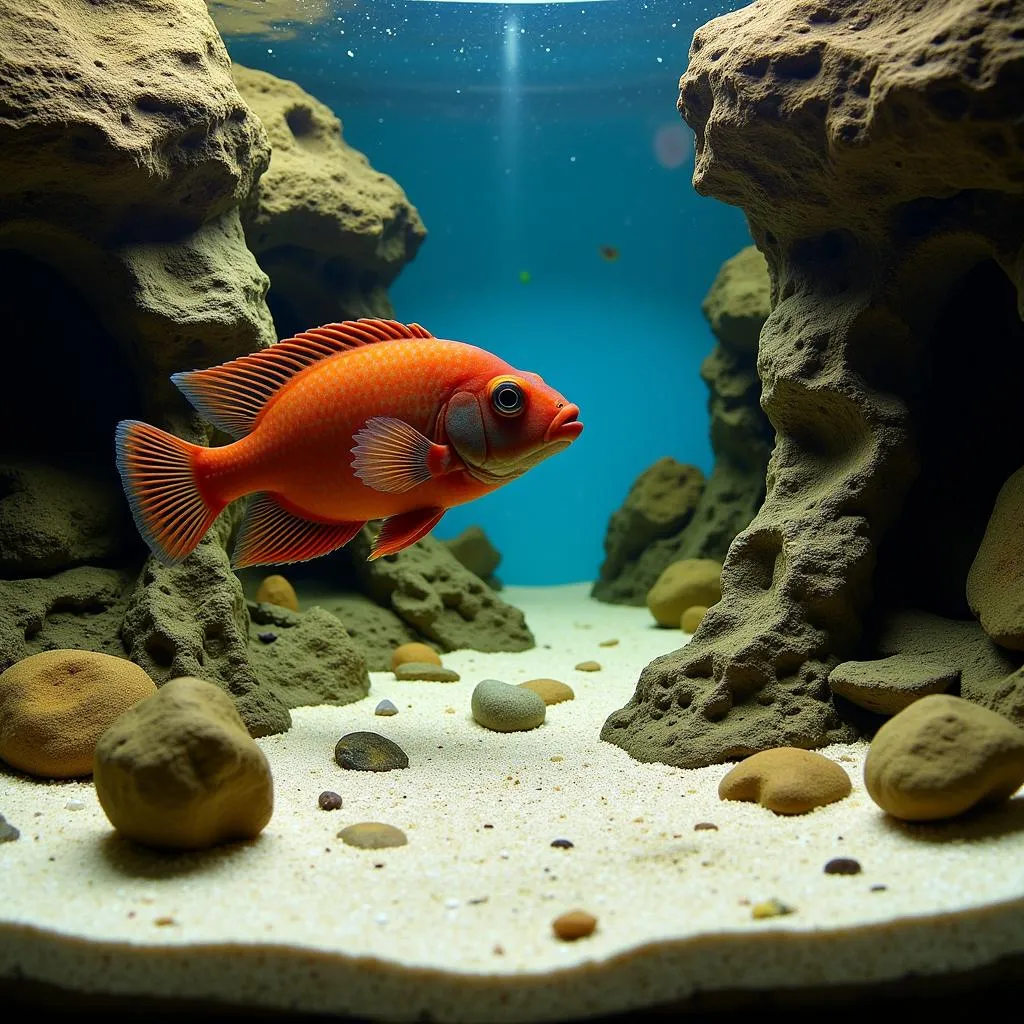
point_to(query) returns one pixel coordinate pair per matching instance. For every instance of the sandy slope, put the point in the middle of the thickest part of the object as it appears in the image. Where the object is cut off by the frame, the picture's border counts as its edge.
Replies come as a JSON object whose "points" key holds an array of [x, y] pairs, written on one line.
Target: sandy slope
{"points": [[458, 922]]}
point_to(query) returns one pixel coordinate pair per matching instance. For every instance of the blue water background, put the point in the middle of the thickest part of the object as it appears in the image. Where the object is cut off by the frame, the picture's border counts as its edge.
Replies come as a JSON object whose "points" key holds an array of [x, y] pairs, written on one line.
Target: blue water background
{"points": [[524, 134]]}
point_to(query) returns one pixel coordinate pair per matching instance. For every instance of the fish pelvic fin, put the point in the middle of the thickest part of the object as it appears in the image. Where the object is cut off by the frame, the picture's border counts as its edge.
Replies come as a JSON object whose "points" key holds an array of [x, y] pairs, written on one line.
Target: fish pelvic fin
{"points": [[169, 510], [399, 531], [271, 535], [232, 395]]}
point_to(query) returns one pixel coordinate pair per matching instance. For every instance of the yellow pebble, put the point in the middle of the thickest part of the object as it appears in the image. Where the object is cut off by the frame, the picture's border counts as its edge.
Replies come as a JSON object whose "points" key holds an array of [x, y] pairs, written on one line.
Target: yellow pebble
{"points": [[277, 590], [551, 691], [414, 652], [690, 619], [588, 666]]}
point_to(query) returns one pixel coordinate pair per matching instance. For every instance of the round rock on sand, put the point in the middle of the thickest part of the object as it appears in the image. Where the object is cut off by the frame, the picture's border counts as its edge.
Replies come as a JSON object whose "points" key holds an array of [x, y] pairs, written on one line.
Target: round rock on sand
{"points": [[414, 652], [277, 590], [54, 706], [502, 707], [551, 691], [942, 756], [683, 584], [180, 770], [787, 780]]}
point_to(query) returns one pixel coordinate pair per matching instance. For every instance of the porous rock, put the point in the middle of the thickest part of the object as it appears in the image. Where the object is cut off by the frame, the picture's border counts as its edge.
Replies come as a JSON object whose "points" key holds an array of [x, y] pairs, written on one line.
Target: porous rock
{"points": [[683, 584], [312, 661], [659, 504], [53, 518], [429, 588], [81, 608], [473, 548], [55, 705], [786, 780], [180, 771], [940, 757], [995, 583], [331, 231], [872, 149], [888, 685], [190, 620]]}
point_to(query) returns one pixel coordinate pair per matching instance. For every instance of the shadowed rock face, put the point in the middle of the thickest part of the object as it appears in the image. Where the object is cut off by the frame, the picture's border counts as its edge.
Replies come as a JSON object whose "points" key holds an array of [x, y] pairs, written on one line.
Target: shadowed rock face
{"points": [[878, 153]]}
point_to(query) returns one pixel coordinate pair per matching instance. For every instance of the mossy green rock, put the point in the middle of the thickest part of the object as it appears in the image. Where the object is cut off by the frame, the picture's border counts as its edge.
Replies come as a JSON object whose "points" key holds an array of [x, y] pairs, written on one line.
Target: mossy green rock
{"points": [[502, 707], [369, 752]]}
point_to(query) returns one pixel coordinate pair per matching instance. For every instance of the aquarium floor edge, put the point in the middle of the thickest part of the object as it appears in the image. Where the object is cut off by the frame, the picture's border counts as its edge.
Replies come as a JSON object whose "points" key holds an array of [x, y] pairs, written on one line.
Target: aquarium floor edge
{"points": [[457, 924]]}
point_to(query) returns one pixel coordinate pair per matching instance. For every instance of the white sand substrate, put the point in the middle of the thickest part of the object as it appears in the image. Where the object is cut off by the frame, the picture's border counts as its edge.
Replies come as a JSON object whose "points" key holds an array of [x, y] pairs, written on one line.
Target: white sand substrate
{"points": [[457, 924]]}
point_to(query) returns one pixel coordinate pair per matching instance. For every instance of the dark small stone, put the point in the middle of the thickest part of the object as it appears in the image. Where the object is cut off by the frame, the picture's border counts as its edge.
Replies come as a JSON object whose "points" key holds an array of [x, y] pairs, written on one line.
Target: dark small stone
{"points": [[329, 800], [705, 826], [488, 826], [369, 752], [8, 833], [842, 866], [562, 844], [879, 888], [268, 637]]}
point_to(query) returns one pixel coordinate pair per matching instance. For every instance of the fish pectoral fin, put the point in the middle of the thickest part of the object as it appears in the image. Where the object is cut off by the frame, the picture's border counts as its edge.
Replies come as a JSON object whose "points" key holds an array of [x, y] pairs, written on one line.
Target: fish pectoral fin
{"points": [[406, 528], [270, 535], [391, 455]]}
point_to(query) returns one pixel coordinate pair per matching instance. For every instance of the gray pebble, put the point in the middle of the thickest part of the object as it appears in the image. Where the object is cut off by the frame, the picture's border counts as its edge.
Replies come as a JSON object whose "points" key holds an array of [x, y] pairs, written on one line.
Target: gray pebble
{"points": [[502, 707], [385, 707], [8, 833]]}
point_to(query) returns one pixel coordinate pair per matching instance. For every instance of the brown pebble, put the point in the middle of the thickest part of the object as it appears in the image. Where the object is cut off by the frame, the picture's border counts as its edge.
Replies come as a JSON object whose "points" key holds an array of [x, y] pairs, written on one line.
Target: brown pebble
{"points": [[786, 780], [705, 826], [277, 590], [329, 800], [588, 666], [608, 643], [842, 866], [573, 925], [551, 691], [562, 844], [414, 652]]}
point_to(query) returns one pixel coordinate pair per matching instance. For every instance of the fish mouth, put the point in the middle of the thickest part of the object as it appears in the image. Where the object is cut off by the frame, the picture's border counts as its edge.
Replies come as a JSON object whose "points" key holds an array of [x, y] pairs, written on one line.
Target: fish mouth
{"points": [[566, 426]]}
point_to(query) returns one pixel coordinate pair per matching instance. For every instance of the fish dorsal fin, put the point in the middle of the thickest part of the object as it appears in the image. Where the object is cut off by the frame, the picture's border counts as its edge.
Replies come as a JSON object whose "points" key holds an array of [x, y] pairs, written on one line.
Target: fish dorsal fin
{"points": [[232, 395]]}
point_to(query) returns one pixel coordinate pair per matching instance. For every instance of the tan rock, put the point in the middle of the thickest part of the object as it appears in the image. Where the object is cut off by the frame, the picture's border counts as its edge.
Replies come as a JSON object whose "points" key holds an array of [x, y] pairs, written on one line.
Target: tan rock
{"points": [[787, 780], [995, 583], [180, 771], [54, 706], [421, 653], [551, 691], [888, 685], [683, 584], [691, 618], [277, 590], [573, 925], [942, 756]]}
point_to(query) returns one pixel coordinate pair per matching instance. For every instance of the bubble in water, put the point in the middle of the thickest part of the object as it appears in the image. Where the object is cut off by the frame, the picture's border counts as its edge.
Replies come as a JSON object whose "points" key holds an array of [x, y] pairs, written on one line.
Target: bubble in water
{"points": [[672, 145]]}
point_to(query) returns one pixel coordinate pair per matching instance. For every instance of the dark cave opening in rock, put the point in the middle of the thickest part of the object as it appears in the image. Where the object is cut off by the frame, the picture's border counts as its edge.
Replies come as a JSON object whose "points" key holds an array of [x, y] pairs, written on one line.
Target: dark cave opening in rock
{"points": [[56, 346], [67, 386], [971, 440]]}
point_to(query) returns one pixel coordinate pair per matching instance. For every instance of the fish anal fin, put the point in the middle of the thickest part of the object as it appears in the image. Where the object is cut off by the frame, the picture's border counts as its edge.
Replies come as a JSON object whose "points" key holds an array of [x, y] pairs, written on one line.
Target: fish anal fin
{"points": [[271, 535], [233, 394], [403, 529]]}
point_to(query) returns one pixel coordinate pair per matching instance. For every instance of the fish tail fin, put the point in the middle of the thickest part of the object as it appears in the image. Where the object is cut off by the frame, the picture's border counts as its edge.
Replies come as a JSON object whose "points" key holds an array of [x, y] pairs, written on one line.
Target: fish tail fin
{"points": [[157, 473]]}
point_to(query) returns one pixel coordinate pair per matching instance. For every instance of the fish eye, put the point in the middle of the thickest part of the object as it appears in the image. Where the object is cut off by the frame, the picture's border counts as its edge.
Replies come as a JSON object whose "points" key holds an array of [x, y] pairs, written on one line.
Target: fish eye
{"points": [[508, 398]]}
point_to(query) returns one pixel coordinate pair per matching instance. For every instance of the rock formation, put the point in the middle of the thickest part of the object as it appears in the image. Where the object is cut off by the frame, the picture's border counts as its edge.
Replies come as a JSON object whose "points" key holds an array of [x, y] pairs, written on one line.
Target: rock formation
{"points": [[877, 152], [331, 232], [127, 155], [671, 512]]}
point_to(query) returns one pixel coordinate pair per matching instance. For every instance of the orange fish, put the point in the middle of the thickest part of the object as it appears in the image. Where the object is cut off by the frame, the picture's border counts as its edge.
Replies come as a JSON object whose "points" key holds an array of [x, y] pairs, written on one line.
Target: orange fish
{"points": [[366, 419]]}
